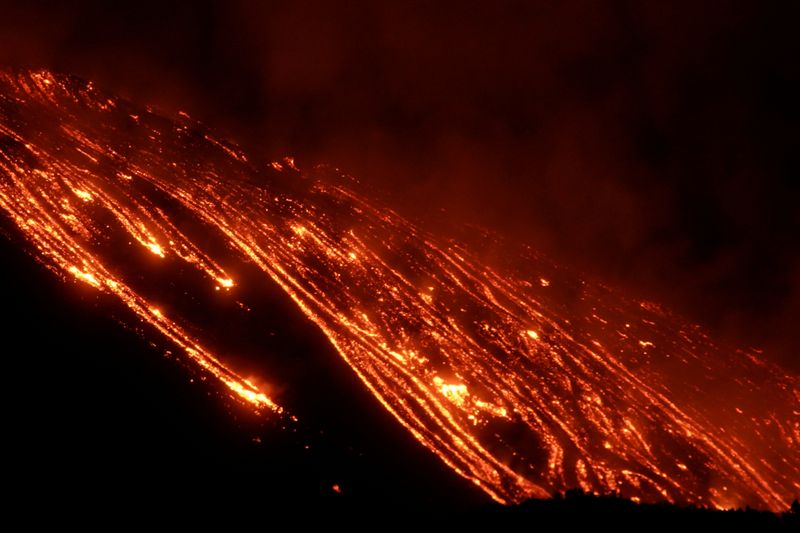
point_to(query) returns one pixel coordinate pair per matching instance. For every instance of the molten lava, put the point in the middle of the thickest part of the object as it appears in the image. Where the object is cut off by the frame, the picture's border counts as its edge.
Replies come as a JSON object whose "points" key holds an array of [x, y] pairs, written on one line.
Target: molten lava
{"points": [[520, 377]]}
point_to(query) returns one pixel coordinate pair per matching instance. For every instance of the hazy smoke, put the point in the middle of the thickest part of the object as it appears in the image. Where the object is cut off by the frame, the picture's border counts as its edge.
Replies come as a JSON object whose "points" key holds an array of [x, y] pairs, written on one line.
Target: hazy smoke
{"points": [[654, 146]]}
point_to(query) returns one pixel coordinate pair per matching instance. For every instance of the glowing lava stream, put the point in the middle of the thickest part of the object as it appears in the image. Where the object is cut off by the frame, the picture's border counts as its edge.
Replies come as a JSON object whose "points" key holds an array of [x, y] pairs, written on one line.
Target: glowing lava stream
{"points": [[522, 379]]}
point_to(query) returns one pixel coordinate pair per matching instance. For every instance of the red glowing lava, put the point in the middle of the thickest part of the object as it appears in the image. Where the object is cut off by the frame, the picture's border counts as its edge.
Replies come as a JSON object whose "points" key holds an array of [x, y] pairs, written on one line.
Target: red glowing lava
{"points": [[523, 379]]}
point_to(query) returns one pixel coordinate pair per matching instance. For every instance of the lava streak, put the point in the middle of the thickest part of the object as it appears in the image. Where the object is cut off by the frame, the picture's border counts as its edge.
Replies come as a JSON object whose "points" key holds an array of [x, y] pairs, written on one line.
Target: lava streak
{"points": [[522, 378]]}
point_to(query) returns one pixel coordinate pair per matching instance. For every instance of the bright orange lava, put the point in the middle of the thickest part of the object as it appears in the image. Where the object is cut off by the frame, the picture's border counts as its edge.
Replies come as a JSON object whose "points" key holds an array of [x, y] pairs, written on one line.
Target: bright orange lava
{"points": [[522, 379]]}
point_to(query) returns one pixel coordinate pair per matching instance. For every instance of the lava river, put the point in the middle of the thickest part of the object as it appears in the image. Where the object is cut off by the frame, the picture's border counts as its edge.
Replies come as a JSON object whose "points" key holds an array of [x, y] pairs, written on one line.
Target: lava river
{"points": [[519, 376]]}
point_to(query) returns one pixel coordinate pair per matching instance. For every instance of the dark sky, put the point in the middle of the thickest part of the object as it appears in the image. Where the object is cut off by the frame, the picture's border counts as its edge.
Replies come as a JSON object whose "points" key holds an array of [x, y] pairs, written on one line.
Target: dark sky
{"points": [[655, 145]]}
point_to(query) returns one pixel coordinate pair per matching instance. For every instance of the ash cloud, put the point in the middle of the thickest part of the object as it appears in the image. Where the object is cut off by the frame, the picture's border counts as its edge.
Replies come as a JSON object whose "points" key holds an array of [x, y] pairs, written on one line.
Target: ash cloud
{"points": [[653, 146]]}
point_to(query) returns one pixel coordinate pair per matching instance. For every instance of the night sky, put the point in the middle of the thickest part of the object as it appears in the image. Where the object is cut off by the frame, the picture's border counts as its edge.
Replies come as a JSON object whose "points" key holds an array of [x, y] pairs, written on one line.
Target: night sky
{"points": [[654, 146]]}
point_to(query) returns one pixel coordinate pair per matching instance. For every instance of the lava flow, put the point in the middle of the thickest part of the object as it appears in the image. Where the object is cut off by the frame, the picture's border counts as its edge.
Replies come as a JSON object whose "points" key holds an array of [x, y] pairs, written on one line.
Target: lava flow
{"points": [[521, 377]]}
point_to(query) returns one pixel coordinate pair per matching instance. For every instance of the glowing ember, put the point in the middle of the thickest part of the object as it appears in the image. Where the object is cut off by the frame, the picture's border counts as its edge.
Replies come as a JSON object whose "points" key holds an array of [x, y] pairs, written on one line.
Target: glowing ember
{"points": [[523, 380]]}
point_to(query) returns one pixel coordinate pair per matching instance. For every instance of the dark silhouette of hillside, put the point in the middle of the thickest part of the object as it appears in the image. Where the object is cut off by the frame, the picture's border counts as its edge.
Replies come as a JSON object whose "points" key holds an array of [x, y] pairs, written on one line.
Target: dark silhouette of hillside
{"points": [[578, 508], [97, 422]]}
